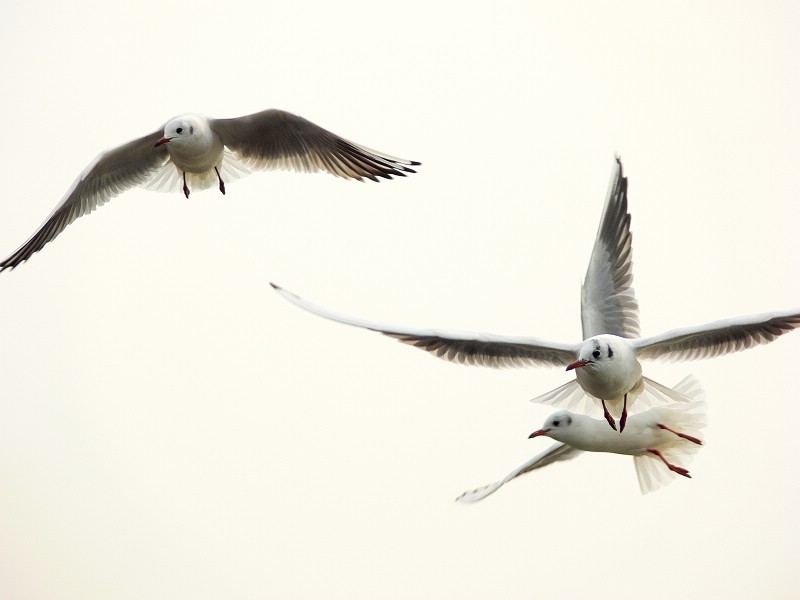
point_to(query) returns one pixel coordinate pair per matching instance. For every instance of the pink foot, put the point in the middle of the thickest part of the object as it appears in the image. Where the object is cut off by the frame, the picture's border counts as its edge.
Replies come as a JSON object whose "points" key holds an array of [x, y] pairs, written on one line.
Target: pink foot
{"points": [[608, 417], [624, 417], [670, 466]]}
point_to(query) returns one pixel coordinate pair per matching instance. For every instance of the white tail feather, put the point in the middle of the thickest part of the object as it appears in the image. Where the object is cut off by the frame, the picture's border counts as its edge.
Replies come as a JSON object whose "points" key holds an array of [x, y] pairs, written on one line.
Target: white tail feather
{"points": [[688, 418], [170, 179], [571, 396]]}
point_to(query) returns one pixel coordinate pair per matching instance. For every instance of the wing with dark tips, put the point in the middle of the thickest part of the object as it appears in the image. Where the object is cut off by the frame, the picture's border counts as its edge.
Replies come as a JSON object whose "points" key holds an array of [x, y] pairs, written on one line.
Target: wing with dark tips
{"points": [[469, 348], [108, 175], [275, 139], [718, 338]]}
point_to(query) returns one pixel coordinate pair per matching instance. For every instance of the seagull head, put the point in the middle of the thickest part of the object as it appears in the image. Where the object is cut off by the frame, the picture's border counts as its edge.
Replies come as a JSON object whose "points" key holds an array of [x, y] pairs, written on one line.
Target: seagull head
{"points": [[180, 130], [593, 352], [555, 425]]}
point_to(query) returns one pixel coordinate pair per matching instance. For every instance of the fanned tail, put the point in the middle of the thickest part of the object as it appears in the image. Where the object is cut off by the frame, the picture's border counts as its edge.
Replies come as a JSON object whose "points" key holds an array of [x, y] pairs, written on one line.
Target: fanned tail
{"points": [[169, 179], [689, 418], [571, 396]]}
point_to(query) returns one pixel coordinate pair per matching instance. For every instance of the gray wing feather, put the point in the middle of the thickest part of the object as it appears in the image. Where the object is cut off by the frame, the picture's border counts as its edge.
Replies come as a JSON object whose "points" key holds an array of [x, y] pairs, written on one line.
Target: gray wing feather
{"points": [[555, 453], [276, 139], [608, 302], [464, 347], [718, 338], [108, 175]]}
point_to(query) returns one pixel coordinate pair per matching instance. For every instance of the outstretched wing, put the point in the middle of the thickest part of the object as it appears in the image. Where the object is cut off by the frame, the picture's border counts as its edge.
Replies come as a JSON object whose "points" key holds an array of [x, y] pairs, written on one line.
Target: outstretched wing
{"points": [[469, 348], [108, 175], [720, 337], [608, 302], [275, 139], [556, 452]]}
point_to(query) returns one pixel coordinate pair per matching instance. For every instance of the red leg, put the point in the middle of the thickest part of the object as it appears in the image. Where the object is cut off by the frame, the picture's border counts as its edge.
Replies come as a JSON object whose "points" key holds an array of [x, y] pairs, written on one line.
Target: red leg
{"points": [[670, 466], [624, 417], [185, 187], [221, 183], [691, 438], [608, 416]]}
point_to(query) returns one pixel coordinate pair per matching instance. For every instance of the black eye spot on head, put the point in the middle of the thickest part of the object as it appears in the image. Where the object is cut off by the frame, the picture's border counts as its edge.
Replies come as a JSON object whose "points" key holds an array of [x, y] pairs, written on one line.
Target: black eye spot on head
{"points": [[568, 420], [191, 130], [596, 353], [179, 130], [610, 352], [556, 423]]}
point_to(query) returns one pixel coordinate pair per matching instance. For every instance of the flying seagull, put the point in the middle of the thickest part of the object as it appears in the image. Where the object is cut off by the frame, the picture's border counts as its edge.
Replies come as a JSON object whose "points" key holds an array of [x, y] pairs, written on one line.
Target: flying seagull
{"points": [[194, 152], [656, 438], [606, 363]]}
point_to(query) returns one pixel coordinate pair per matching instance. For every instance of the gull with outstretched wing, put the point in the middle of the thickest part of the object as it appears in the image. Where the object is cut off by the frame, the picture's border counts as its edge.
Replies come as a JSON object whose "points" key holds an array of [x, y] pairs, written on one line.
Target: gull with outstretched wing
{"points": [[194, 152], [657, 439], [606, 363]]}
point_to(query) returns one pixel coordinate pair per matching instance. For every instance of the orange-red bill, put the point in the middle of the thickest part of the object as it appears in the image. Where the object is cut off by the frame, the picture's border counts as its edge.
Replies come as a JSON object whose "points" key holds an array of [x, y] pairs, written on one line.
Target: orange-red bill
{"points": [[539, 432], [576, 364]]}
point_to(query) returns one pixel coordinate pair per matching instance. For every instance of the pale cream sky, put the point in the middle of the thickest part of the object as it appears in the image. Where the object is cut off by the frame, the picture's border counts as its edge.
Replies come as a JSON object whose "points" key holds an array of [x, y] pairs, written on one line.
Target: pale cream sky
{"points": [[171, 428]]}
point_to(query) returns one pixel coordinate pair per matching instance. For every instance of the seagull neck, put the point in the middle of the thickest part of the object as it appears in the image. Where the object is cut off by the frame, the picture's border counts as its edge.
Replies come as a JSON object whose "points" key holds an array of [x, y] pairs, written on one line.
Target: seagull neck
{"points": [[202, 153]]}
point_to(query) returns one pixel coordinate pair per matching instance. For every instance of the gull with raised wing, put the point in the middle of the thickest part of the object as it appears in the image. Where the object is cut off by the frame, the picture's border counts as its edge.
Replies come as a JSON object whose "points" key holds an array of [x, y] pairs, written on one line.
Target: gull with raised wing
{"points": [[606, 363], [194, 152], [657, 439]]}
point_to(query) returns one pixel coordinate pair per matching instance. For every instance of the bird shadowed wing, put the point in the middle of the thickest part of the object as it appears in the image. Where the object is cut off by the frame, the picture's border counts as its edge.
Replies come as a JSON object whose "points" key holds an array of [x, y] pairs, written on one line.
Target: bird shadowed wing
{"points": [[275, 139], [108, 175], [555, 453], [608, 303], [463, 347], [718, 338]]}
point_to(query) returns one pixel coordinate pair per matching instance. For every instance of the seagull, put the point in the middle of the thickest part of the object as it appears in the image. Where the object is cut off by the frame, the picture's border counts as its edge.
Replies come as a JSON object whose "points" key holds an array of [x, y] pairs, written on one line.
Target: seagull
{"points": [[656, 438], [606, 364], [195, 152]]}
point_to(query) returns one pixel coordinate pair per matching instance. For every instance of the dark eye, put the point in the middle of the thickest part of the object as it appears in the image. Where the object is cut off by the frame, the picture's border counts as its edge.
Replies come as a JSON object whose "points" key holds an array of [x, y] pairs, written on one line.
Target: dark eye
{"points": [[556, 423], [596, 353], [179, 130]]}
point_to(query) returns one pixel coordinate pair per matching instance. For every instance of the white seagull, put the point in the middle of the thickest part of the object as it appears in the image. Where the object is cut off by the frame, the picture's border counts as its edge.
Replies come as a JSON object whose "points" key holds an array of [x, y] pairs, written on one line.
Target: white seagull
{"points": [[606, 363], [656, 438], [194, 152]]}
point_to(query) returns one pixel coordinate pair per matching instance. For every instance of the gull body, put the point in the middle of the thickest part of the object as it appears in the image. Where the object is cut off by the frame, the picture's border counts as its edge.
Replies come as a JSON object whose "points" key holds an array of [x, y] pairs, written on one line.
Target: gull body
{"points": [[607, 363], [582, 432], [607, 368], [193, 146], [194, 152], [657, 438]]}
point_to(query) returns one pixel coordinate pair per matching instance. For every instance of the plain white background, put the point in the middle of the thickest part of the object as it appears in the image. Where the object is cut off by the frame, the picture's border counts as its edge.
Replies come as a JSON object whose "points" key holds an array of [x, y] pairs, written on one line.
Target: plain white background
{"points": [[171, 428]]}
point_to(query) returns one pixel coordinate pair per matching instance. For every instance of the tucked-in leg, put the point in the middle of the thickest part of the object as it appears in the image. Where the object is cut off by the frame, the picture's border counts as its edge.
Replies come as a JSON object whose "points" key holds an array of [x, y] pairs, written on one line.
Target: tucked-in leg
{"points": [[221, 183], [608, 416], [685, 436]]}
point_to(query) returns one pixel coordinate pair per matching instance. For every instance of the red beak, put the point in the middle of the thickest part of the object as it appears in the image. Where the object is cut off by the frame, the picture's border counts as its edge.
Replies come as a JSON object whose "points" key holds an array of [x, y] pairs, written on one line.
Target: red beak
{"points": [[162, 141], [576, 364], [538, 432]]}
